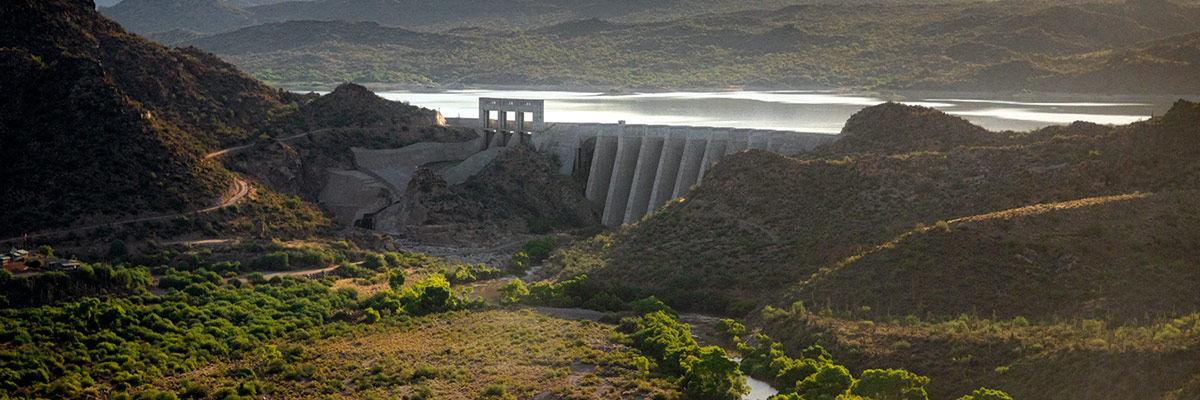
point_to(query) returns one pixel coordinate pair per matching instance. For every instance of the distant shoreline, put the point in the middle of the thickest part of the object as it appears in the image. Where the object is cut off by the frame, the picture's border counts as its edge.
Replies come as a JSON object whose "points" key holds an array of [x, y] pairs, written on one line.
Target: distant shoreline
{"points": [[897, 94]]}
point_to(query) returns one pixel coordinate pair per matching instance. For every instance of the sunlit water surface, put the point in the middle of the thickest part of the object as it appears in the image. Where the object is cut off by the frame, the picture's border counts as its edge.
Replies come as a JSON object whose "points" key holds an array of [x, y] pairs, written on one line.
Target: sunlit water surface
{"points": [[800, 110]]}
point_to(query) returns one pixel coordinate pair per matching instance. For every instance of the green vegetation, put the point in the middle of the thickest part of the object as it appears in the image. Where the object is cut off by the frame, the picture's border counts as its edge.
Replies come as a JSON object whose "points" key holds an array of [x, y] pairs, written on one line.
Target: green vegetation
{"points": [[87, 347], [704, 372]]}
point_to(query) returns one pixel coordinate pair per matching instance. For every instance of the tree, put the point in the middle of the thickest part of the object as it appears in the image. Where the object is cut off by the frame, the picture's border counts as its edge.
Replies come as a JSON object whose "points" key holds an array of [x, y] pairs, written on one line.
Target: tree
{"points": [[396, 279], [891, 384], [827, 384], [33, 263], [986, 394], [45, 250], [651, 304], [118, 249], [374, 261], [795, 371], [5, 276], [512, 291], [710, 375]]}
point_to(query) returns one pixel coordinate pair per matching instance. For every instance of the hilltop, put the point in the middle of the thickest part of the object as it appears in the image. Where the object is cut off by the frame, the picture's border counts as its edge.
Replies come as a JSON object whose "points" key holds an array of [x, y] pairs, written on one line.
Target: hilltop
{"points": [[151, 16], [994, 46]]}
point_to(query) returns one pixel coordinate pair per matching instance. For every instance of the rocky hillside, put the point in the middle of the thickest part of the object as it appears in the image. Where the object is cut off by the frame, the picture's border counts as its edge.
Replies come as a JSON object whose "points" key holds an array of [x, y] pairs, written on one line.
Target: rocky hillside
{"points": [[101, 122], [318, 135], [520, 191], [1110, 258], [1050, 264], [762, 224]]}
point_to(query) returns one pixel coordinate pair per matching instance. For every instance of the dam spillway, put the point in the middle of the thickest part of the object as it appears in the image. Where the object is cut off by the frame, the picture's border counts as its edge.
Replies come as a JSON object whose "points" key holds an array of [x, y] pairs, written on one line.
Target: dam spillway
{"points": [[632, 170], [629, 169]]}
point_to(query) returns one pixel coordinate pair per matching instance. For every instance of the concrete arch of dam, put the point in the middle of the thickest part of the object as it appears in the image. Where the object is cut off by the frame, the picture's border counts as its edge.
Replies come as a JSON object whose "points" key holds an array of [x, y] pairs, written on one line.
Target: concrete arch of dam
{"points": [[632, 170]]}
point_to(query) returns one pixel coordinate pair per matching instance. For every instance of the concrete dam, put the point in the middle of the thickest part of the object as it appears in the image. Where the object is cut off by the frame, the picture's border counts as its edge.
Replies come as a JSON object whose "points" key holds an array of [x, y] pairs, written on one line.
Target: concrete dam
{"points": [[630, 170]]}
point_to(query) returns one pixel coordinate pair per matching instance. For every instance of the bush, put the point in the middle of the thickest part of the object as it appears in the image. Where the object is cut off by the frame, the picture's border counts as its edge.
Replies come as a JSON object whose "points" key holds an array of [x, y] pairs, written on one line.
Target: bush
{"points": [[33, 263], [986, 394], [651, 304], [370, 316], [729, 328], [45, 250], [276, 261], [392, 259], [538, 250], [494, 390], [256, 278], [890, 384], [192, 390], [512, 291], [374, 261], [396, 279]]}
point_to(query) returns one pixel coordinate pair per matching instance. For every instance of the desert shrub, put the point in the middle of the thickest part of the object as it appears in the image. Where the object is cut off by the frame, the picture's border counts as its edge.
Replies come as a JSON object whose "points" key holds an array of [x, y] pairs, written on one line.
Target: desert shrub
{"points": [[275, 261], [986, 394], [374, 261], [512, 292], [729, 328]]}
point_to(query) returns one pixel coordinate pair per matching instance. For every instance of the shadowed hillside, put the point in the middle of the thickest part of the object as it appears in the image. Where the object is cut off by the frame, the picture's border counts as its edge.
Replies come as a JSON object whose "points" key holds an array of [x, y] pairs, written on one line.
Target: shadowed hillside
{"points": [[742, 236], [106, 122], [1110, 258], [1034, 262]]}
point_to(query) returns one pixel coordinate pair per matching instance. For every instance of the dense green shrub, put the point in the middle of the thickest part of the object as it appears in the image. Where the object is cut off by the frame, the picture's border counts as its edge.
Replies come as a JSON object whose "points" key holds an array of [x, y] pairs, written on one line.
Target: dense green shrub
{"points": [[276, 261], [986, 394], [705, 373], [122, 343], [512, 291], [729, 328], [396, 279]]}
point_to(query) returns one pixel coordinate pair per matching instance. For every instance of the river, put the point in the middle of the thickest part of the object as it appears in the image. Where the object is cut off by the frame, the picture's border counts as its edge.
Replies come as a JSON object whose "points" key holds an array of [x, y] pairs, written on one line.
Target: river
{"points": [[821, 111]]}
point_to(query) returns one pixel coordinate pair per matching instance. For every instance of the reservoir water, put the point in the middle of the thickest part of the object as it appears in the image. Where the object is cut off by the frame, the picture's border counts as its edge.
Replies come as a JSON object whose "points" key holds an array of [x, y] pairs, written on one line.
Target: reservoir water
{"points": [[822, 111]]}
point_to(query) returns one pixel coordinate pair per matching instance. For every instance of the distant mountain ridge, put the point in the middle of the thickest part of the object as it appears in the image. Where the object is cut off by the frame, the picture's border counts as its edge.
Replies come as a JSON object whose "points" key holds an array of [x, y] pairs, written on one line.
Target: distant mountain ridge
{"points": [[994, 46], [151, 16]]}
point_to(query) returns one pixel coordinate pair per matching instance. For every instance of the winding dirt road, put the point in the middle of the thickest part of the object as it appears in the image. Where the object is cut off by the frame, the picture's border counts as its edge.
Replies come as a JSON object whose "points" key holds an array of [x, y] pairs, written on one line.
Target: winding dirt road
{"points": [[242, 189]]}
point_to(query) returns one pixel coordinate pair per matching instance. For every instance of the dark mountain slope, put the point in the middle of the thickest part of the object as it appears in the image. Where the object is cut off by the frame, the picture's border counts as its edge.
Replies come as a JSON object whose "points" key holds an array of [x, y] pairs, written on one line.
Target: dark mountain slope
{"points": [[1110, 258], [101, 122]]}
